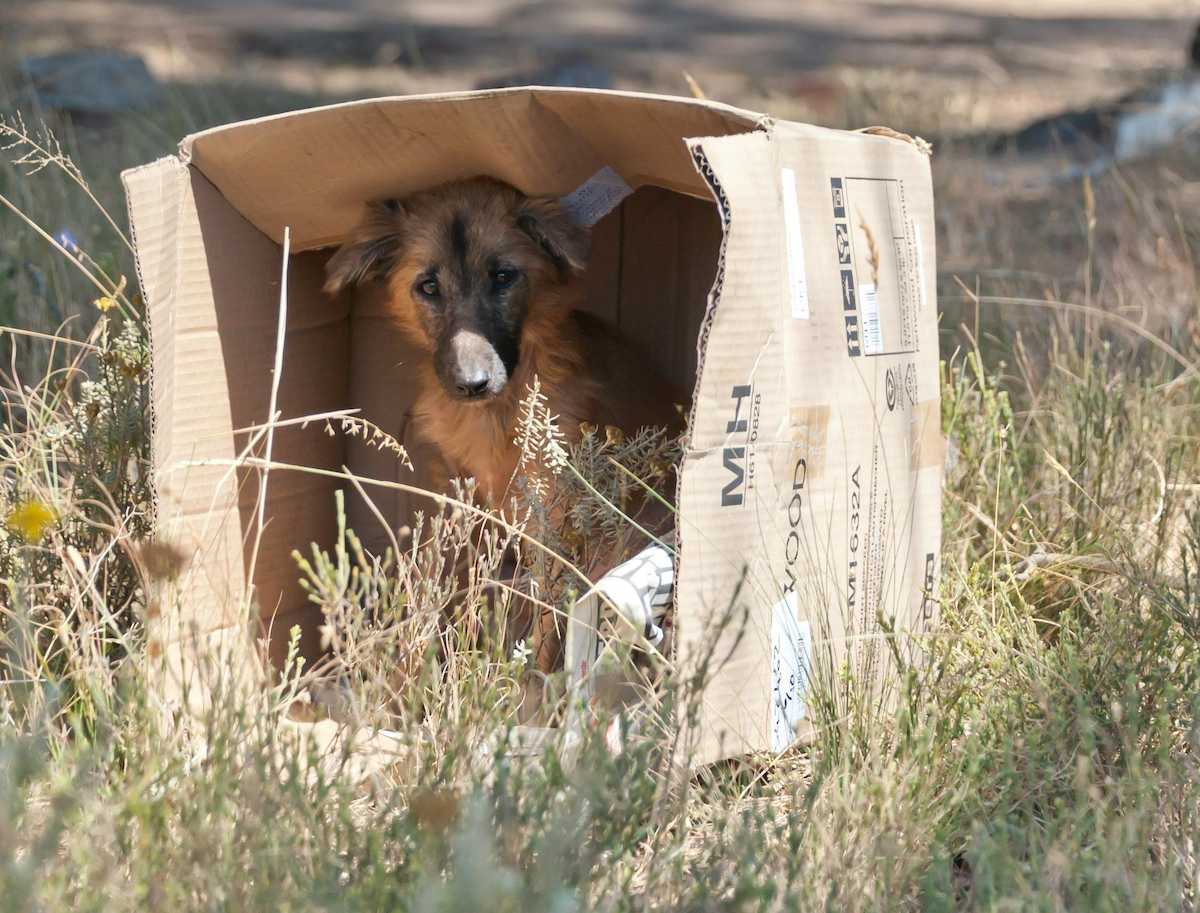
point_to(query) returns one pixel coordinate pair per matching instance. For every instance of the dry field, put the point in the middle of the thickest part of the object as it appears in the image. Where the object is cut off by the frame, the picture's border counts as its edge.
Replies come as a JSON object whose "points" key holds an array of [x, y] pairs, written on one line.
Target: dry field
{"points": [[1047, 757]]}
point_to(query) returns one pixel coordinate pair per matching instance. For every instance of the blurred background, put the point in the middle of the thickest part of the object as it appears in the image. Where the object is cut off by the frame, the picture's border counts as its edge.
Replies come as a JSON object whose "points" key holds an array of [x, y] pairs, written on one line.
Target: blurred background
{"points": [[951, 68], [1020, 98]]}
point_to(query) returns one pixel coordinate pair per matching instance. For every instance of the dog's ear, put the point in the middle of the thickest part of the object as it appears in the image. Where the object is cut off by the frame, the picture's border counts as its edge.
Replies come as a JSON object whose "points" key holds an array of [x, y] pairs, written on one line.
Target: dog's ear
{"points": [[567, 243], [371, 251]]}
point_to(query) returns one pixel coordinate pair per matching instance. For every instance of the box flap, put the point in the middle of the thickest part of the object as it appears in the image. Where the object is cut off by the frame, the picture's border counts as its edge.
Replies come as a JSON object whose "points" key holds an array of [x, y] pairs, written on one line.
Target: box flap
{"points": [[313, 169], [170, 265], [810, 493], [210, 282]]}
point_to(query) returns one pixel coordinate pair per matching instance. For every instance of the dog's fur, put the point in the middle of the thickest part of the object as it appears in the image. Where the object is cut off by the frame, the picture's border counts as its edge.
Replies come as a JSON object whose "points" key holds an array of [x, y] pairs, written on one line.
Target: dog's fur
{"points": [[486, 282]]}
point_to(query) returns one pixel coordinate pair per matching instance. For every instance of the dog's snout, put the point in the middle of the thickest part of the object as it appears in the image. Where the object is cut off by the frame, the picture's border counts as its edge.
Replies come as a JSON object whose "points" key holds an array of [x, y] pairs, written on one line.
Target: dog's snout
{"points": [[472, 385], [471, 368]]}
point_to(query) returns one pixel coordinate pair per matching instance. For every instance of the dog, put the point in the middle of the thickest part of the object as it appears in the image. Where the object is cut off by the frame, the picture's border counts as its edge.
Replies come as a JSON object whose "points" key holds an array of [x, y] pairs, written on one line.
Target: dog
{"points": [[487, 283]]}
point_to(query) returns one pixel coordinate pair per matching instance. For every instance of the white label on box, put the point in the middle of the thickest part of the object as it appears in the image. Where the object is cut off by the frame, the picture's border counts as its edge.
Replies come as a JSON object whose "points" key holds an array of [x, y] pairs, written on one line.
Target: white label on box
{"points": [[797, 278], [872, 335], [791, 656], [599, 195]]}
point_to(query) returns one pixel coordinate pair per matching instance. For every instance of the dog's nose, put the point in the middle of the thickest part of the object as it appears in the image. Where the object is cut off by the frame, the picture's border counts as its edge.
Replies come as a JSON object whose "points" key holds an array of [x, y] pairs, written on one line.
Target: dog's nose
{"points": [[469, 366], [472, 386]]}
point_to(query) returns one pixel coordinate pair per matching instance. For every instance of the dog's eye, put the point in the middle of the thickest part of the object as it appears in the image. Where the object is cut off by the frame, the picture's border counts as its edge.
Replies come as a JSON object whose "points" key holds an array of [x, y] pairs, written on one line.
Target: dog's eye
{"points": [[428, 288], [503, 278]]}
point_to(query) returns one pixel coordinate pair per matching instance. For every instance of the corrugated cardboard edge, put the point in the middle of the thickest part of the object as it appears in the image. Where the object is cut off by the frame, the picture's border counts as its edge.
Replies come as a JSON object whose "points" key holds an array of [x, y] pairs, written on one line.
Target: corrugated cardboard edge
{"points": [[688, 560], [129, 179], [188, 667], [700, 160]]}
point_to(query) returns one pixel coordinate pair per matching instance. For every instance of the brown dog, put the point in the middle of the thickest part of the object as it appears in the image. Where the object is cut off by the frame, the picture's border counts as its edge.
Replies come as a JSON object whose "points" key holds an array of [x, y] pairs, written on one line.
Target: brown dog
{"points": [[486, 281]]}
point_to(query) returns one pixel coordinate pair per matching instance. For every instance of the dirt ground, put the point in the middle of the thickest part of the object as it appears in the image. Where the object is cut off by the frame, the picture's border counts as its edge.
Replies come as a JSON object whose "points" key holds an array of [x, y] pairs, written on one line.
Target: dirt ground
{"points": [[964, 65]]}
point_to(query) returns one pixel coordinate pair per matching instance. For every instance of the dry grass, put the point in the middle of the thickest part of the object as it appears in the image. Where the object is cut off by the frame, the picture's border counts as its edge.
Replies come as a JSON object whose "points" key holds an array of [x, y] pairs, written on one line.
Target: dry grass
{"points": [[1045, 759]]}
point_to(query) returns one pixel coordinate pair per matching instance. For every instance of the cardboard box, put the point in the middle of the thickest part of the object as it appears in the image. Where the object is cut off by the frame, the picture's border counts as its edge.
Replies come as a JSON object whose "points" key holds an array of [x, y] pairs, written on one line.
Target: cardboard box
{"points": [[782, 271]]}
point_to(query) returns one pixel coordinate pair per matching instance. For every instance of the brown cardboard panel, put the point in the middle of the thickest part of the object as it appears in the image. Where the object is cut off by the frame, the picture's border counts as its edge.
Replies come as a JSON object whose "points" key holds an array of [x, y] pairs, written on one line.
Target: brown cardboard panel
{"points": [[196, 506], [816, 487], [929, 447], [810, 433], [668, 257], [877, 396], [740, 402], [726, 568], [602, 285], [639, 134], [382, 393], [313, 169], [197, 668], [154, 194], [212, 285], [276, 628], [245, 307]]}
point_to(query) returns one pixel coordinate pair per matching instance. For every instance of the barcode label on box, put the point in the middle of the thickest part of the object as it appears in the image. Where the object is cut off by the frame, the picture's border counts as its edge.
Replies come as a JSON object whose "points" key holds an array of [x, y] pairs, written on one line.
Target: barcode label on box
{"points": [[791, 656], [872, 335], [592, 200], [797, 277]]}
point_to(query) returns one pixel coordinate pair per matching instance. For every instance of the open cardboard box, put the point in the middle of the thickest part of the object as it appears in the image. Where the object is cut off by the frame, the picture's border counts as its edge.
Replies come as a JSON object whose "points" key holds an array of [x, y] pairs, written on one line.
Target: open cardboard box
{"points": [[783, 272]]}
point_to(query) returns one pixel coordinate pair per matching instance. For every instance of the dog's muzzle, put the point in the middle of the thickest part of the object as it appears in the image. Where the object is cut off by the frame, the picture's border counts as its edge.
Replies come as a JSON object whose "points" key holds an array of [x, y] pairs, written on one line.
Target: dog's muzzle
{"points": [[473, 368]]}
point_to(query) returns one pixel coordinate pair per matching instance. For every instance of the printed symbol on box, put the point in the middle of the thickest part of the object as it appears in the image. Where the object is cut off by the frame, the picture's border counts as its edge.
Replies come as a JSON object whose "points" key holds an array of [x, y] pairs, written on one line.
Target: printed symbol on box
{"points": [[849, 302], [889, 386], [839, 198], [842, 239], [853, 347], [910, 382], [928, 601]]}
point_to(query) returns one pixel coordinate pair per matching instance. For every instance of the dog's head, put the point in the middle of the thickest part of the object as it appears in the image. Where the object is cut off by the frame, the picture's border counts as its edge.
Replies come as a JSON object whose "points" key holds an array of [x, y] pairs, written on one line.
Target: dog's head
{"points": [[467, 263]]}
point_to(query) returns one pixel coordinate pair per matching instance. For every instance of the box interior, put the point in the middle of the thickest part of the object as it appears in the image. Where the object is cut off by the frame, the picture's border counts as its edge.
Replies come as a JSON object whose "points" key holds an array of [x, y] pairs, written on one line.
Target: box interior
{"points": [[650, 271], [208, 227]]}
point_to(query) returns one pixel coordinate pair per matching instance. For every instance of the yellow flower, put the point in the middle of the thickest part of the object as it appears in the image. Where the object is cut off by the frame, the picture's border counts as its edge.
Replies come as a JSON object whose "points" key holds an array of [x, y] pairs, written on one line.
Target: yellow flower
{"points": [[106, 303], [30, 520]]}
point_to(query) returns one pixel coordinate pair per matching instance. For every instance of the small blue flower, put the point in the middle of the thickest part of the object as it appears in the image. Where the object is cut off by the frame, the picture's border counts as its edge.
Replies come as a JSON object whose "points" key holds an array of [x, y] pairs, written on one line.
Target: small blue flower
{"points": [[67, 240]]}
